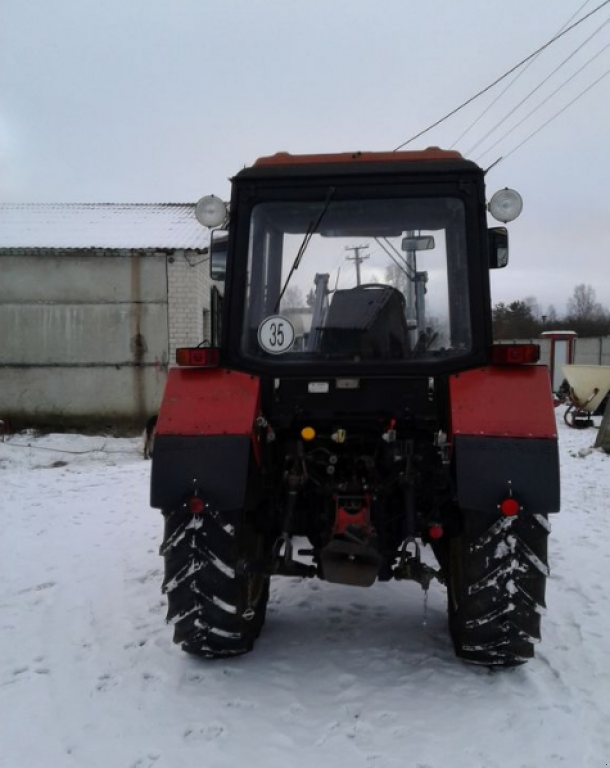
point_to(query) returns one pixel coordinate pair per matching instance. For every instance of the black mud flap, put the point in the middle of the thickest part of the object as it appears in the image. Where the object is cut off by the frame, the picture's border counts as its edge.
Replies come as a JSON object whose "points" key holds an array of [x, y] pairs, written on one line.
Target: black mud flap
{"points": [[219, 466], [489, 468]]}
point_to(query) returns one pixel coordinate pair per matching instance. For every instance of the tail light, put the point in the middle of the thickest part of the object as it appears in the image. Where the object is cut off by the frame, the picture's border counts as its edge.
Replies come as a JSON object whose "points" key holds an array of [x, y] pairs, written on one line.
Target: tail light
{"points": [[515, 354], [510, 507], [196, 505], [198, 357], [435, 531]]}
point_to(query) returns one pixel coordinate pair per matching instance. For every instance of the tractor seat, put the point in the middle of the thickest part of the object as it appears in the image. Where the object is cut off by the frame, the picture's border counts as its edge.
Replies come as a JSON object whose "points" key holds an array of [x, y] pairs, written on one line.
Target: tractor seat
{"points": [[367, 323]]}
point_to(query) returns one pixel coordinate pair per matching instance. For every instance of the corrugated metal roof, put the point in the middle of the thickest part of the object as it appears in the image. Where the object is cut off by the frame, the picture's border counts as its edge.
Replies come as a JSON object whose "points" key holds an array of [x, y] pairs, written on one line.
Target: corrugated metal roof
{"points": [[101, 225]]}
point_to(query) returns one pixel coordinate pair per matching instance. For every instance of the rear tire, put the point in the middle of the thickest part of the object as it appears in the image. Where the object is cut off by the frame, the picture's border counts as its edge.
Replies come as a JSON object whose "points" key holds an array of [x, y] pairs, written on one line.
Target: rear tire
{"points": [[217, 610], [497, 582]]}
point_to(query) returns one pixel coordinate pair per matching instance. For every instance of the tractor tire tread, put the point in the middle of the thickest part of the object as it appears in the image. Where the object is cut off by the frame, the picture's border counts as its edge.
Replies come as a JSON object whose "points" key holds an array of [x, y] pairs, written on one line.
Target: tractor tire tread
{"points": [[205, 592], [496, 618]]}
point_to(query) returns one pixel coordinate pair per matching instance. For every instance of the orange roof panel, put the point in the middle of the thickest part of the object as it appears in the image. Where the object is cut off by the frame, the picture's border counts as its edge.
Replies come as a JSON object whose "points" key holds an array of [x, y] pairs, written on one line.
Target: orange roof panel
{"points": [[431, 153]]}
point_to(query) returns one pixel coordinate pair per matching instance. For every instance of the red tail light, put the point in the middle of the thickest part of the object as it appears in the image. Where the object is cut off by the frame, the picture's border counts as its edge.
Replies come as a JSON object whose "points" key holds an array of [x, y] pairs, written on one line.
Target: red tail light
{"points": [[198, 357], [515, 354], [196, 505], [435, 531], [510, 507]]}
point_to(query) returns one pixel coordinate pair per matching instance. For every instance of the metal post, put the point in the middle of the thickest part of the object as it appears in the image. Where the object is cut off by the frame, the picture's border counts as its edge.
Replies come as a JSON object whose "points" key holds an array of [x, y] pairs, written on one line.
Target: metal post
{"points": [[411, 297], [421, 278], [603, 436], [318, 312]]}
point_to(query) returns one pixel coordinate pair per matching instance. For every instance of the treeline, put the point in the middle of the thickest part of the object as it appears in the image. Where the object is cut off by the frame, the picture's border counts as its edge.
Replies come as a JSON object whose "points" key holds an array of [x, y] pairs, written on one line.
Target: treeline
{"points": [[525, 319]]}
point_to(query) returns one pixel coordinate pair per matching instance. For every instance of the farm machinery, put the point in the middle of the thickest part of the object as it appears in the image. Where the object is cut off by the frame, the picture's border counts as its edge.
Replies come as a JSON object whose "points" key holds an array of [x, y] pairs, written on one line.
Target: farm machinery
{"points": [[587, 391], [351, 406]]}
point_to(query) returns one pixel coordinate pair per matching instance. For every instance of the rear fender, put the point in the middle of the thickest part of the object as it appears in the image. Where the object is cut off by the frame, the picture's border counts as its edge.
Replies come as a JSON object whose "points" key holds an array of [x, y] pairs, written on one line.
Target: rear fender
{"points": [[505, 438], [206, 439]]}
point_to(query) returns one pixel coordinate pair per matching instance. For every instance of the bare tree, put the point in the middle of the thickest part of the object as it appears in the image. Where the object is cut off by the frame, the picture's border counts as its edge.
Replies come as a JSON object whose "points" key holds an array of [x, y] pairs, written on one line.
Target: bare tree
{"points": [[398, 277], [551, 315], [583, 304], [585, 315], [293, 297], [532, 303]]}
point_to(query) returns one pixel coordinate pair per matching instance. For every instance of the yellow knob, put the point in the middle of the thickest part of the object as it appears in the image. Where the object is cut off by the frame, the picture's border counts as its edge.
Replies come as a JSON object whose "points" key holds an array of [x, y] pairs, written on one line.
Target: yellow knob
{"points": [[308, 433]]}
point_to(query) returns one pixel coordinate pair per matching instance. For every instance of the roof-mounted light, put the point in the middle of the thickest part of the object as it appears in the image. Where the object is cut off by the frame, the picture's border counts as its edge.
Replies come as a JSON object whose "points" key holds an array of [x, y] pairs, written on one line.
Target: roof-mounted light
{"points": [[211, 211], [505, 205]]}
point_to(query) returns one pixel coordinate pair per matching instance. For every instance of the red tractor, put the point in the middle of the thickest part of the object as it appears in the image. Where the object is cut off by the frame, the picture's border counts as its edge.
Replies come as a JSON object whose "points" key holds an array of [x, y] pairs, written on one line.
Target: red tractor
{"points": [[352, 406]]}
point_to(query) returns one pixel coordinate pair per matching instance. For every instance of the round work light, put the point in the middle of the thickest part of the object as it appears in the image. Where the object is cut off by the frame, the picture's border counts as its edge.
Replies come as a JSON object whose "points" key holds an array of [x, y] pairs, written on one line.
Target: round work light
{"points": [[505, 205], [211, 211]]}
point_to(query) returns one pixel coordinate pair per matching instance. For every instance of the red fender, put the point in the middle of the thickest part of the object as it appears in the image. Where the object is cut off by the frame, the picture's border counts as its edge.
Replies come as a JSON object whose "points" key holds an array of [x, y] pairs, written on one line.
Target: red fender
{"points": [[203, 401], [503, 401], [205, 438], [505, 438]]}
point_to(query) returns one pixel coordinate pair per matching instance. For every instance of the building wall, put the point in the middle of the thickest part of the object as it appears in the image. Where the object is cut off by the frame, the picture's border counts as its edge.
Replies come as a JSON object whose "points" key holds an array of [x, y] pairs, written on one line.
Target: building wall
{"points": [[188, 286], [84, 336]]}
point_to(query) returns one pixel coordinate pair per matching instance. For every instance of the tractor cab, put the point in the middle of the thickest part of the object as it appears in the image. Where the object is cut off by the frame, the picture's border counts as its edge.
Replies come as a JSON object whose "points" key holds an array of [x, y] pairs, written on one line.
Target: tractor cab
{"points": [[371, 263]]}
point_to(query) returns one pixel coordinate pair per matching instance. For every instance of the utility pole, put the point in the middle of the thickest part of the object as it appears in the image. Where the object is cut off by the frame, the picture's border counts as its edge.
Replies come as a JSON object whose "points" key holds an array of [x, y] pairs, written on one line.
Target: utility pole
{"points": [[357, 258]]}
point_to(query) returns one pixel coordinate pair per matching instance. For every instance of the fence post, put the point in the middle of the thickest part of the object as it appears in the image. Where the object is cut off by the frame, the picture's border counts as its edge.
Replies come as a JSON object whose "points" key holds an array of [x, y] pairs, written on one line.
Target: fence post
{"points": [[603, 436]]}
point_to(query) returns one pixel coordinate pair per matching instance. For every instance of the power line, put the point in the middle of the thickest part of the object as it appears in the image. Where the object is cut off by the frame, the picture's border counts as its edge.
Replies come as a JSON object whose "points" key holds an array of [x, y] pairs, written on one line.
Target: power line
{"points": [[544, 101], [513, 81], [502, 77], [398, 254], [501, 122], [550, 120], [399, 263]]}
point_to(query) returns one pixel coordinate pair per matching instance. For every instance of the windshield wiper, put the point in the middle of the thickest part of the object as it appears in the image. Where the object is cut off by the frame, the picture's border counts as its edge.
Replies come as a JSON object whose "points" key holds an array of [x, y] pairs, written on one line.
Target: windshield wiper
{"points": [[312, 228]]}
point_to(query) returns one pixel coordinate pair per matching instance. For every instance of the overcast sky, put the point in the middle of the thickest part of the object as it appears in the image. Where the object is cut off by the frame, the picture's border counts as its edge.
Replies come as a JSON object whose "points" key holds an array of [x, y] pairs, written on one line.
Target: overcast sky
{"points": [[162, 101]]}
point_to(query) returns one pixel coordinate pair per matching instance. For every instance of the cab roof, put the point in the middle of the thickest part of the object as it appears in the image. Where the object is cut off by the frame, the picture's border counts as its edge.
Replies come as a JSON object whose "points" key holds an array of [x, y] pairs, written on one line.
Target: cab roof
{"points": [[431, 153], [430, 160]]}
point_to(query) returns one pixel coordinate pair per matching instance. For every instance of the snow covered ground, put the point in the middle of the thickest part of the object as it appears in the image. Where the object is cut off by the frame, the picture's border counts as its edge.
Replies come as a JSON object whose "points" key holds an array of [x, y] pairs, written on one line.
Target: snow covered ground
{"points": [[341, 676]]}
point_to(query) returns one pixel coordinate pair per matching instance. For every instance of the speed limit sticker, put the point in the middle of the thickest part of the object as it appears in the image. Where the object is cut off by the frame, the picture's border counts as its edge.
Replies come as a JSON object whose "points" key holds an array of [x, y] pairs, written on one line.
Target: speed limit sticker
{"points": [[276, 334]]}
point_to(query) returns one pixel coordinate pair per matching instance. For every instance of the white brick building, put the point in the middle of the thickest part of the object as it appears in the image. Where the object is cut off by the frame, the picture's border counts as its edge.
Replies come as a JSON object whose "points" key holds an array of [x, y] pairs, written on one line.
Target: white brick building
{"points": [[94, 300]]}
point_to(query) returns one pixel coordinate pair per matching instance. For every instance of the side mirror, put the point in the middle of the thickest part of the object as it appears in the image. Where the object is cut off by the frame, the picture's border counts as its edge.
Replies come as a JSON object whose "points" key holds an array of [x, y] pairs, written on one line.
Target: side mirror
{"points": [[218, 254], [422, 243], [498, 247]]}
